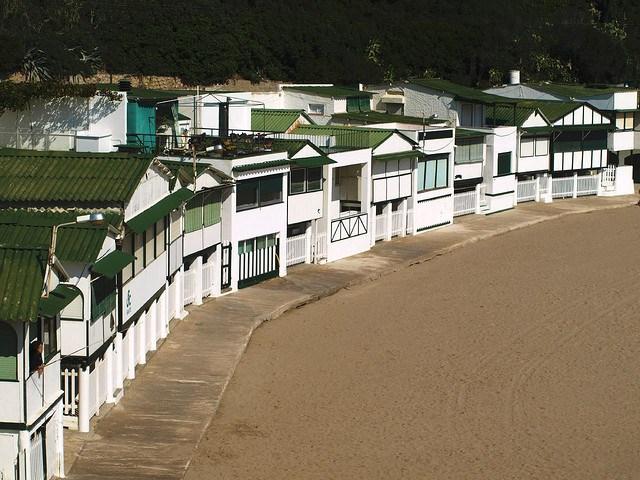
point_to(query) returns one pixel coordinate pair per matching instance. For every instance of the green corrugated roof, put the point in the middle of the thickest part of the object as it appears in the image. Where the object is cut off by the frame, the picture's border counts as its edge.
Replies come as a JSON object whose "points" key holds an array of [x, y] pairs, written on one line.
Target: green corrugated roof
{"points": [[348, 137], [460, 92], [274, 120], [508, 115], [569, 91], [112, 263], [313, 161], [37, 178], [259, 166], [552, 110], [21, 283], [399, 156], [290, 146], [366, 118], [140, 222], [330, 91], [183, 171], [32, 229], [58, 299]]}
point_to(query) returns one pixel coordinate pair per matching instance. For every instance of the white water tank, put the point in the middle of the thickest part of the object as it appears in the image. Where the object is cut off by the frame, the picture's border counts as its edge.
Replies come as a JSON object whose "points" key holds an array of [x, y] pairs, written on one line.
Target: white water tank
{"points": [[514, 77]]}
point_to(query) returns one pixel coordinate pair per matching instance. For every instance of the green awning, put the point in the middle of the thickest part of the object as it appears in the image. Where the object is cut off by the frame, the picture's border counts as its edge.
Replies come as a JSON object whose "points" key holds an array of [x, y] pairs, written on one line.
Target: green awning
{"points": [[260, 166], [140, 222], [112, 263], [308, 162], [58, 299], [569, 128], [411, 154]]}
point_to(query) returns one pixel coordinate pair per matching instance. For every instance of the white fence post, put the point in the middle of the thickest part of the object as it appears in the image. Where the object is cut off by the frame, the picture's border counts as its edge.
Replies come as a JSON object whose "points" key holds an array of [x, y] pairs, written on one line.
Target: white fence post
{"points": [[119, 354], [197, 266], [537, 199], [478, 208], [108, 361], [575, 185], [403, 218], [307, 244], [388, 221], [549, 198], [83, 400]]}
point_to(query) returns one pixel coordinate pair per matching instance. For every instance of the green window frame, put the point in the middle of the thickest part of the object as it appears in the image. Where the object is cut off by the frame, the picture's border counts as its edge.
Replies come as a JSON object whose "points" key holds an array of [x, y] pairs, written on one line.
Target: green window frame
{"points": [[433, 173], [193, 215], [504, 163], [8, 353]]}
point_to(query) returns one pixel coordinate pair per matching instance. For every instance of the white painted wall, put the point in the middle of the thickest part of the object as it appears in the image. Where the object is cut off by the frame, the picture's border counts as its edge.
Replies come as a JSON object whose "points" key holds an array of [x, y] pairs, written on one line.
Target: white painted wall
{"points": [[304, 207], [300, 101], [141, 288], [421, 102], [621, 140], [153, 187]]}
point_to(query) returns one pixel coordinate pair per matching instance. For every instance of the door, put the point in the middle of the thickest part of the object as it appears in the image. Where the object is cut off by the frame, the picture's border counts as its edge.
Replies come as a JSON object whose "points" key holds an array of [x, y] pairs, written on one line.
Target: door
{"points": [[225, 266], [38, 469]]}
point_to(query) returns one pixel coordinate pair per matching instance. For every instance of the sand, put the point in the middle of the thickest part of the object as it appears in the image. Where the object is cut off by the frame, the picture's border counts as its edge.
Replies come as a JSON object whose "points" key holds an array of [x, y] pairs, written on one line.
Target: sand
{"points": [[515, 357]]}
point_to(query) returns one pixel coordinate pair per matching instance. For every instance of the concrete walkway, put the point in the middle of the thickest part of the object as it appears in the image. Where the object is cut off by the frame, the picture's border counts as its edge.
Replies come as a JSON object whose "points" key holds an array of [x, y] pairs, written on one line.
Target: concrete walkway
{"points": [[154, 430]]}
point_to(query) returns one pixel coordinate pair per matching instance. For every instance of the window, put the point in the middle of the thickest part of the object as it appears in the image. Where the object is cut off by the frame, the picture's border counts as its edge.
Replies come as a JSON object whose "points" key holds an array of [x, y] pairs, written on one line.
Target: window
{"points": [[433, 173], [103, 297], [176, 230], [595, 140], [469, 151], [211, 208], [570, 141], [624, 120], [504, 163], [316, 109], [252, 244], [149, 245], [138, 253], [542, 146], [303, 180], [160, 240], [527, 147], [49, 337], [193, 214], [258, 192], [8, 352], [127, 247]]}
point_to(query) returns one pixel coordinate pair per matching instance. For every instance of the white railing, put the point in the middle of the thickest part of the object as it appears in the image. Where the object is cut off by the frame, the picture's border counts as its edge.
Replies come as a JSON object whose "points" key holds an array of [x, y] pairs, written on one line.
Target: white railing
{"points": [[409, 221], [320, 246], [352, 226], [207, 278], [562, 187], [396, 222], [483, 195], [609, 177], [37, 457], [189, 287], [587, 185], [70, 388], [296, 249], [544, 185], [172, 298], [526, 190], [380, 227], [464, 203]]}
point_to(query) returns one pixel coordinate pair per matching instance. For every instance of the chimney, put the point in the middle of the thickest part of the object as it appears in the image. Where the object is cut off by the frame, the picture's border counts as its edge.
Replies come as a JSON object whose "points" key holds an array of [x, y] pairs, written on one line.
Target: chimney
{"points": [[223, 119], [514, 77]]}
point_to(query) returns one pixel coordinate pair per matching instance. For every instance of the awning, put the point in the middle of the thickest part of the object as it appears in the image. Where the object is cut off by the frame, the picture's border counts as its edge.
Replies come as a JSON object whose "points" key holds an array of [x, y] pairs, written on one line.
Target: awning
{"points": [[411, 154], [112, 263], [140, 222], [308, 162], [569, 128], [260, 166], [58, 299]]}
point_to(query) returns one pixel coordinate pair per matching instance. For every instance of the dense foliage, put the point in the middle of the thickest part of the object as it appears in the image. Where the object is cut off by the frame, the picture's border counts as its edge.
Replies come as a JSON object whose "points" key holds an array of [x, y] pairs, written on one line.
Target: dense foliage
{"points": [[342, 41]]}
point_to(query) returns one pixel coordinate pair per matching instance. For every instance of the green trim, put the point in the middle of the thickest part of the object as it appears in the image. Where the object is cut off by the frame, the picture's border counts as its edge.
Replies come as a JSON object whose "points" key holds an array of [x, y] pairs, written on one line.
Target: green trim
{"points": [[260, 166], [58, 299], [411, 154], [312, 161], [113, 263], [151, 215]]}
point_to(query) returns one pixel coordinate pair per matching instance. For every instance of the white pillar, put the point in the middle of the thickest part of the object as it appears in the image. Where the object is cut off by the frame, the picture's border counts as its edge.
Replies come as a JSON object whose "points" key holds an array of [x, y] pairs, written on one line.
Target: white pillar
{"points": [[108, 359], [179, 278], [599, 184], [403, 218], [162, 314], [307, 242], [141, 334], [217, 272], [575, 184], [59, 442], [24, 447], [478, 209], [515, 194], [119, 361], [537, 199], [387, 211], [98, 378], [83, 399], [549, 196], [132, 353], [197, 266], [152, 318]]}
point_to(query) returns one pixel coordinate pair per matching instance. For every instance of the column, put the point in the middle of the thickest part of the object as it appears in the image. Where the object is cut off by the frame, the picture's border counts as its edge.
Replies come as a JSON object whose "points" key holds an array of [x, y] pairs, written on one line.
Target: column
{"points": [[131, 348], [537, 199], [59, 442], [152, 318], [83, 399], [162, 313], [217, 279], [108, 359], [197, 266], [599, 184], [549, 196], [307, 242], [141, 334], [478, 208], [180, 311], [403, 217], [24, 449], [97, 374], [575, 184], [387, 211], [119, 361]]}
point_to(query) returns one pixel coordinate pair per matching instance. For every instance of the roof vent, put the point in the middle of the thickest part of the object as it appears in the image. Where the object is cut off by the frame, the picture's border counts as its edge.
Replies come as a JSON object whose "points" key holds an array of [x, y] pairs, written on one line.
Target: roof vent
{"points": [[514, 77], [124, 86]]}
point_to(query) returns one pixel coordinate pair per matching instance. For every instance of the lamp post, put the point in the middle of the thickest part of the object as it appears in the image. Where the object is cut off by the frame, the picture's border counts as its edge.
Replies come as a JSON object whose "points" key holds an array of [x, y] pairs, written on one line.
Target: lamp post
{"points": [[95, 218]]}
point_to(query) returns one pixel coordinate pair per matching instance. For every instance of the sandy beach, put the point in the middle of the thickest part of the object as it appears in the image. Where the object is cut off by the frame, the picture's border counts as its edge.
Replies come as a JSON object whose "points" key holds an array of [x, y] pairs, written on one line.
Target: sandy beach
{"points": [[515, 357]]}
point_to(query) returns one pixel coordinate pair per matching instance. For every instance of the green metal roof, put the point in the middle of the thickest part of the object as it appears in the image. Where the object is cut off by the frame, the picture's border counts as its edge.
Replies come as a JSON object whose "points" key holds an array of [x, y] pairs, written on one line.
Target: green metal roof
{"points": [[348, 137], [32, 229], [570, 128], [569, 91], [464, 133], [273, 120], [37, 178], [313, 161], [552, 110], [259, 166], [112, 263], [508, 115], [330, 91], [58, 299], [366, 118], [140, 222], [21, 283], [183, 171], [291, 146], [399, 156], [460, 92]]}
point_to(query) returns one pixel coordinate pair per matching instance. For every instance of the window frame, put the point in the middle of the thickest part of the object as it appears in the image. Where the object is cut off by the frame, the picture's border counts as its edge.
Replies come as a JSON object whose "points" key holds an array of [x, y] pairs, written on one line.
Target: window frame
{"points": [[436, 159], [15, 351], [320, 111], [510, 172], [306, 181], [259, 182]]}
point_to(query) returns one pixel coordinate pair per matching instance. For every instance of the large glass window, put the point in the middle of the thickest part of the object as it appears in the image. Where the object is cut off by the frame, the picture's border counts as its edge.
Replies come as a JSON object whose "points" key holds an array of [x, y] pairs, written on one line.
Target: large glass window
{"points": [[103, 296], [469, 151], [49, 337], [314, 179], [303, 180], [433, 173], [624, 120], [247, 194], [270, 190], [258, 192], [527, 147], [297, 178], [176, 229], [8, 352], [504, 163]]}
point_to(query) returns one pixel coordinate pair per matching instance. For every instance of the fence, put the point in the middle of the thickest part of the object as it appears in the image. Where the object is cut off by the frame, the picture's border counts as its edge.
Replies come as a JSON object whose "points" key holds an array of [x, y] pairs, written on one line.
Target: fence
{"points": [[562, 187], [296, 249], [208, 271], [409, 221], [380, 228], [37, 457], [526, 190], [396, 222], [258, 265], [69, 378], [320, 246], [348, 227], [464, 203], [609, 176], [587, 185], [189, 287]]}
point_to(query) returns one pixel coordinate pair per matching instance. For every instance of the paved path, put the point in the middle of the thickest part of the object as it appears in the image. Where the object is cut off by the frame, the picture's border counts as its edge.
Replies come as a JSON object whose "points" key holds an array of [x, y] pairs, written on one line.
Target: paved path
{"points": [[154, 430]]}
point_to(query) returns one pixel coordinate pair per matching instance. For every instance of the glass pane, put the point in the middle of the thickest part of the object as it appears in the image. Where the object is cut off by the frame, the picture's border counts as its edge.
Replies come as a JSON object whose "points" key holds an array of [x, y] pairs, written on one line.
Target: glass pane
{"points": [[504, 163], [314, 179], [628, 123], [139, 253], [160, 240], [240, 248], [462, 153], [430, 174], [176, 228], [421, 175], [8, 352], [261, 242], [542, 146], [527, 147], [442, 173], [247, 194], [296, 180], [270, 190], [127, 247], [271, 240], [248, 245]]}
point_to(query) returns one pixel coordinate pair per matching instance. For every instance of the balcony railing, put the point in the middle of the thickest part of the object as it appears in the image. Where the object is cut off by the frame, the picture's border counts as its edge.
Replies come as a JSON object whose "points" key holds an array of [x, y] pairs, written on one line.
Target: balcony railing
{"points": [[349, 227]]}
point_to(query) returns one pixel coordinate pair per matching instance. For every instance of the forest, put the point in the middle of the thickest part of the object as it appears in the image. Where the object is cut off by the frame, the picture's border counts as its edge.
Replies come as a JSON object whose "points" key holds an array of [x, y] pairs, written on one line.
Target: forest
{"points": [[474, 42]]}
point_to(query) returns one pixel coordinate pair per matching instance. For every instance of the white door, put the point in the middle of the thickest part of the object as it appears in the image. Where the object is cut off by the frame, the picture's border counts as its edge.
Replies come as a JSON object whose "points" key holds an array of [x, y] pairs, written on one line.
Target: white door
{"points": [[37, 456]]}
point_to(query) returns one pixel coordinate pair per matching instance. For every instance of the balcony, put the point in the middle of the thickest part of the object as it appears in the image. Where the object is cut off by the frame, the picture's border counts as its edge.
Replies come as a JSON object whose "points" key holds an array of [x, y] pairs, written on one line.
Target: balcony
{"points": [[621, 140]]}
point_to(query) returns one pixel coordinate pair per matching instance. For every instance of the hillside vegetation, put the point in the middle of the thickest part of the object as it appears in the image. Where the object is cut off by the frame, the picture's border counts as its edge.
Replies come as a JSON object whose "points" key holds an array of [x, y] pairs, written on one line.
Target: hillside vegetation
{"points": [[340, 41]]}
